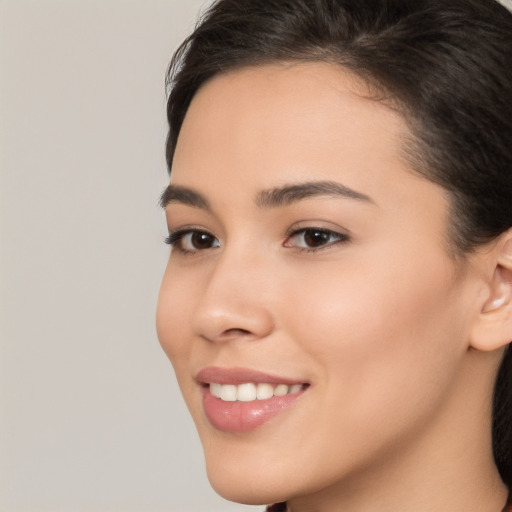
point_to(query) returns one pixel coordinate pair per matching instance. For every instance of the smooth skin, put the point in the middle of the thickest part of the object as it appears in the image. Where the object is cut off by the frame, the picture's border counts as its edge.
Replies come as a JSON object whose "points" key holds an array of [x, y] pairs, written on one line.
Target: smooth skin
{"points": [[398, 339]]}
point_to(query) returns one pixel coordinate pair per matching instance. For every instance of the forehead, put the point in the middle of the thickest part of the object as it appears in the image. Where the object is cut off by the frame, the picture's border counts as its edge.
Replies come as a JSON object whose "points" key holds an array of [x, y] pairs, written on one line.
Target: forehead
{"points": [[264, 127], [281, 116]]}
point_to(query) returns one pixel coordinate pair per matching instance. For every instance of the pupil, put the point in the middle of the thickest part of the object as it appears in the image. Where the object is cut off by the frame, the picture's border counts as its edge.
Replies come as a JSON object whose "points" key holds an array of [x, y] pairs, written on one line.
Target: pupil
{"points": [[201, 240], [316, 238]]}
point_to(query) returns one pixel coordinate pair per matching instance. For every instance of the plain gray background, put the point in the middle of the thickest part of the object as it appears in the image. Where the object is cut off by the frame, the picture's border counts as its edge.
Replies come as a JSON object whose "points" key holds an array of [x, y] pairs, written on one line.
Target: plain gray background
{"points": [[91, 416]]}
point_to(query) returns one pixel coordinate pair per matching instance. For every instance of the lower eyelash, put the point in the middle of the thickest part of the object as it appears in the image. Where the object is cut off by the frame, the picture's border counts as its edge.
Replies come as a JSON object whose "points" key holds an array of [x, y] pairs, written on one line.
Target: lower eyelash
{"points": [[341, 241]]}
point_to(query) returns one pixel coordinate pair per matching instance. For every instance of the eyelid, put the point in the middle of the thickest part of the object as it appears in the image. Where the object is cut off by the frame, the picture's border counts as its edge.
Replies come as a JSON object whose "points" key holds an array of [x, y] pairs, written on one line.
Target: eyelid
{"points": [[175, 233], [319, 225]]}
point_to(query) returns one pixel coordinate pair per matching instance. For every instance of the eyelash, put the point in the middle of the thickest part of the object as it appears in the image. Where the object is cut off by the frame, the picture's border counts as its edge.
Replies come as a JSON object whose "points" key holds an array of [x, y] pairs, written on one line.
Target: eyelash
{"points": [[339, 238], [175, 239]]}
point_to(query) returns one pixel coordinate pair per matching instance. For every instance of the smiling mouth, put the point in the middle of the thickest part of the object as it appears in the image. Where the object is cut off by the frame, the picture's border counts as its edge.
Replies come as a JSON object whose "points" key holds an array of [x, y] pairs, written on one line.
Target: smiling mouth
{"points": [[249, 392], [241, 408], [239, 400]]}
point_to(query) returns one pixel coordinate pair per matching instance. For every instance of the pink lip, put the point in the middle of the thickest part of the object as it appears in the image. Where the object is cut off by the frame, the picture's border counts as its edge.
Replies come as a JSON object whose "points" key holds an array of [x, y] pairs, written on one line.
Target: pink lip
{"points": [[242, 416], [238, 376]]}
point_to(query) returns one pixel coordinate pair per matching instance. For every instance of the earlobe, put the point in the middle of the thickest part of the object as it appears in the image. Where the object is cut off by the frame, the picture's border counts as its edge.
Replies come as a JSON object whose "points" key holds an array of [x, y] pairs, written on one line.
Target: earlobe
{"points": [[493, 329]]}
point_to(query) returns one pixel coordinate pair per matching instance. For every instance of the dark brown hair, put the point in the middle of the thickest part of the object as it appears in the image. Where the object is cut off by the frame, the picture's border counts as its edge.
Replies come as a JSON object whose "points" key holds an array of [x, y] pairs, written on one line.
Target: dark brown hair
{"points": [[445, 64]]}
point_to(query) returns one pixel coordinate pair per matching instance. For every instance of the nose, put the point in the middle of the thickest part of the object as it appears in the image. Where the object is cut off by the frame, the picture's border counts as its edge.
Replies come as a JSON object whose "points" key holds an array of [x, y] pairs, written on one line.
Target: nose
{"points": [[235, 303]]}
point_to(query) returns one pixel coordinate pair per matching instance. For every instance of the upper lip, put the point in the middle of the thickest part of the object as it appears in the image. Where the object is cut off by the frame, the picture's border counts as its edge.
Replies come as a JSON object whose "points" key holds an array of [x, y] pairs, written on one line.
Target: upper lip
{"points": [[239, 375]]}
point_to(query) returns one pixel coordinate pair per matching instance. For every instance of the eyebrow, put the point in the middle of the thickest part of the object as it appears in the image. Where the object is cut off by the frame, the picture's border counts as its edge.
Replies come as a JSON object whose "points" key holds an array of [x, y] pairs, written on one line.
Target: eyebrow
{"points": [[271, 198], [183, 195], [288, 194]]}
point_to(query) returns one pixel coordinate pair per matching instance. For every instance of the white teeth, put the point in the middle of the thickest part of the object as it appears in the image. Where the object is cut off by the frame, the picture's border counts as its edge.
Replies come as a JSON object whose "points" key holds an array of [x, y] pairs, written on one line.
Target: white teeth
{"points": [[295, 388], [228, 392], [264, 391], [249, 392], [215, 389], [246, 393], [281, 390]]}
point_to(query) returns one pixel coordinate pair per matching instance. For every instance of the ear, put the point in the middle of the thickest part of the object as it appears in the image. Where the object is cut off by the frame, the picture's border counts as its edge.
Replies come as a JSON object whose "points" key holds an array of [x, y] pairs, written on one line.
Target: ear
{"points": [[493, 328]]}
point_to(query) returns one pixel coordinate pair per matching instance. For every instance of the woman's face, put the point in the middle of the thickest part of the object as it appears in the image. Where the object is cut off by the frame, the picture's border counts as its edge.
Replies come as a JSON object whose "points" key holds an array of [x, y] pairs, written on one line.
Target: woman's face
{"points": [[310, 284]]}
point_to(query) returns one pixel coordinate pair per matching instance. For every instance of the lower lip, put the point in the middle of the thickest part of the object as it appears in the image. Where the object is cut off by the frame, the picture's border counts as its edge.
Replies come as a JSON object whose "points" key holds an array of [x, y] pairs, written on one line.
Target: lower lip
{"points": [[244, 416]]}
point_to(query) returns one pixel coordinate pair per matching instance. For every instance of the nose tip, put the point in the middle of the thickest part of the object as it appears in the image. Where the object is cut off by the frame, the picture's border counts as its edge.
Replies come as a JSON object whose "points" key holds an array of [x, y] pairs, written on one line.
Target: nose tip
{"points": [[220, 320], [235, 302]]}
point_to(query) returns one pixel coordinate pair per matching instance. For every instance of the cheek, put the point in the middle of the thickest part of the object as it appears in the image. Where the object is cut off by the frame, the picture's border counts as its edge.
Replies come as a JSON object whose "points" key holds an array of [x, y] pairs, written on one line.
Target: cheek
{"points": [[384, 347], [383, 335], [173, 318]]}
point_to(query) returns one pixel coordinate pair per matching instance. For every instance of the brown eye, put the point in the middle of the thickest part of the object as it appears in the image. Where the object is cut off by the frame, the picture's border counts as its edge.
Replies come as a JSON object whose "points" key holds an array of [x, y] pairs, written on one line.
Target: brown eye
{"points": [[314, 238], [192, 240], [199, 240]]}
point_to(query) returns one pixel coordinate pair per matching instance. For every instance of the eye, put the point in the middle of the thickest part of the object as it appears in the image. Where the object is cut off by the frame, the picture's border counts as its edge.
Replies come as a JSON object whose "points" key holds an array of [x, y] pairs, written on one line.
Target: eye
{"points": [[311, 239], [191, 240]]}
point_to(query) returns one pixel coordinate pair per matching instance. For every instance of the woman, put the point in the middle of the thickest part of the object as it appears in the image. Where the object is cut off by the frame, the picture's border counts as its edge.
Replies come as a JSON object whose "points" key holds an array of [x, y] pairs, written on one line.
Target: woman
{"points": [[338, 300]]}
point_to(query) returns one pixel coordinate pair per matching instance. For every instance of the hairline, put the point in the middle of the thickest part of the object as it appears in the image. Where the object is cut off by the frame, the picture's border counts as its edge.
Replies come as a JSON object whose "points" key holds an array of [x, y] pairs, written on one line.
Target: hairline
{"points": [[414, 152]]}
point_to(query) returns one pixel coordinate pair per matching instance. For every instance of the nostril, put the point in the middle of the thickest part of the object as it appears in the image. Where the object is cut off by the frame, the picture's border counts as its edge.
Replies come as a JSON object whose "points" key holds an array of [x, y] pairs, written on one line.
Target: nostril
{"points": [[236, 331], [219, 321]]}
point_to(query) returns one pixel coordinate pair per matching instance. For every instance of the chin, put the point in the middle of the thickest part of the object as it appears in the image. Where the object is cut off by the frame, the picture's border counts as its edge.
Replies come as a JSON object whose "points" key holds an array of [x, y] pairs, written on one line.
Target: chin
{"points": [[246, 493], [248, 483]]}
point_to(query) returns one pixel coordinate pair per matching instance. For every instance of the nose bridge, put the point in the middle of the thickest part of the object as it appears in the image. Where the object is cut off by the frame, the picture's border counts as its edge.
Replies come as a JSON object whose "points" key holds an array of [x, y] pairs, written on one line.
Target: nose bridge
{"points": [[234, 302]]}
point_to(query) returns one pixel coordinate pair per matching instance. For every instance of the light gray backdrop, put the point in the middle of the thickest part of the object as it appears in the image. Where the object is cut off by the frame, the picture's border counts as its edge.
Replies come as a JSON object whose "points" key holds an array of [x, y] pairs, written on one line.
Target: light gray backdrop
{"points": [[90, 415]]}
